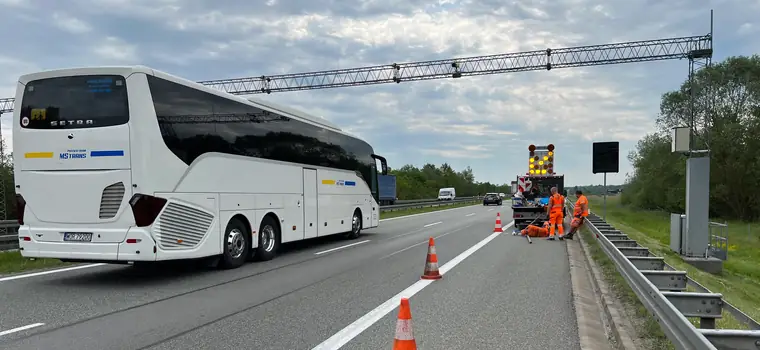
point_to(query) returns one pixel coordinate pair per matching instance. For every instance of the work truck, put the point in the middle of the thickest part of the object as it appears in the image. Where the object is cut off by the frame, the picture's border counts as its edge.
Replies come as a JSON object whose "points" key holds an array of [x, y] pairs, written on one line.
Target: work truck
{"points": [[534, 188]]}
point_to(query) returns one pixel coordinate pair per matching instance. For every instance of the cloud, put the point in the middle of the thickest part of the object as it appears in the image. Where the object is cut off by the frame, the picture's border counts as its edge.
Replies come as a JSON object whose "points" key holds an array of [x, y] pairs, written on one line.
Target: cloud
{"points": [[70, 24], [116, 50], [485, 122]]}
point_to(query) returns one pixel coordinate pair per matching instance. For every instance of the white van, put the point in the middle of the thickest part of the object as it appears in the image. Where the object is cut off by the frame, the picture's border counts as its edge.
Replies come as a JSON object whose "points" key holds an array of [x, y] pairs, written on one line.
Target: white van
{"points": [[447, 194]]}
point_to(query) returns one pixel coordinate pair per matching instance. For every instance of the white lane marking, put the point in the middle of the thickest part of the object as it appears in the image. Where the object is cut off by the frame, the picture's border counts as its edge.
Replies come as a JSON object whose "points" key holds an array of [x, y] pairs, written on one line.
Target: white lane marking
{"points": [[357, 327], [19, 329], [433, 224], [470, 214], [490, 209], [341, 247], [27, 275], [407, 233], [423, 242], [428, 213]]}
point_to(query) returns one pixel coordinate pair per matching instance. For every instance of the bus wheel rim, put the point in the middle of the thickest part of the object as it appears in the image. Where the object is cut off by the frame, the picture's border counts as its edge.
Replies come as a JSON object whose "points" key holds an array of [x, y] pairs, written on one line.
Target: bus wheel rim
{"points": [[355, 223], [235, 243], [267, 238]]}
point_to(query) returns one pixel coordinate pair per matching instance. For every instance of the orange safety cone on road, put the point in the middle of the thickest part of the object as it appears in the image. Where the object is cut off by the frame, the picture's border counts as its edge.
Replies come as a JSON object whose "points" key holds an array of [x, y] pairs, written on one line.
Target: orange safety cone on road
{"points": [[404, 337], [498, 228], [431, 263]]}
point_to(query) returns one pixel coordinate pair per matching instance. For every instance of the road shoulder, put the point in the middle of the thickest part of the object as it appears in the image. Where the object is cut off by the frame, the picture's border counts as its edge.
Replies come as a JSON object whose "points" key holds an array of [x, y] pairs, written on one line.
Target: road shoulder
{"points": [[593, 328], [622, 333], [498, 298]]}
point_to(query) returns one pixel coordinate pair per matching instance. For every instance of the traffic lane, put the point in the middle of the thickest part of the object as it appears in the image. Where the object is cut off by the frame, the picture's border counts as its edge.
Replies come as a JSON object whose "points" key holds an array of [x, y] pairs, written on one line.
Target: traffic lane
{"points": [[508, 295], [439, 215], [81, 294], [445, 217], [208, 302], [306, 318]]}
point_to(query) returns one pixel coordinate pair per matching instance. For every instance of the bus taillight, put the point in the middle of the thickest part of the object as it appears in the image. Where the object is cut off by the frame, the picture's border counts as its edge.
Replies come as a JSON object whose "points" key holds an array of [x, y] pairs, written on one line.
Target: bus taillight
{"points": [[146, 208], [20, 206]]}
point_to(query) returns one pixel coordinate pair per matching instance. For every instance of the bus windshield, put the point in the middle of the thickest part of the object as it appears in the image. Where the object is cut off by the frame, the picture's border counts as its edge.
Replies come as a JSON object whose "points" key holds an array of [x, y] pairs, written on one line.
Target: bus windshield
{"points": [[74, 102]]}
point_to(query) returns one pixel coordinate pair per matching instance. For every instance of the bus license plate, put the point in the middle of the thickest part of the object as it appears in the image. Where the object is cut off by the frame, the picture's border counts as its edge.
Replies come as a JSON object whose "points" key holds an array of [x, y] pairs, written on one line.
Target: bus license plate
{"points": [[77, 236]]}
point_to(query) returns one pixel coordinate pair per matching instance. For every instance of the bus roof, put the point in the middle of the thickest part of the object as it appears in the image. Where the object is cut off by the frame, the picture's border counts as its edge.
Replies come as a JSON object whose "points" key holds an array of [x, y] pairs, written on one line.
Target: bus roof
{"points": [[128, 70]]}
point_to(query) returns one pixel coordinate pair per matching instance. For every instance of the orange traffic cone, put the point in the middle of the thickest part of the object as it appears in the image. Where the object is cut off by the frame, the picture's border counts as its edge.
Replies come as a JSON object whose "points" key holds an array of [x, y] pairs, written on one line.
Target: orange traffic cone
{"points": [[404, 338], [431, 264], [498, 228]]}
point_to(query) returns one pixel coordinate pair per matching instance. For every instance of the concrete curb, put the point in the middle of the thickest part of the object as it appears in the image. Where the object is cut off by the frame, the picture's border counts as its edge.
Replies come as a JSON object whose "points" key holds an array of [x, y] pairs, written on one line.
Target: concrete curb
{"points": [[593, 330], [615, 319]]}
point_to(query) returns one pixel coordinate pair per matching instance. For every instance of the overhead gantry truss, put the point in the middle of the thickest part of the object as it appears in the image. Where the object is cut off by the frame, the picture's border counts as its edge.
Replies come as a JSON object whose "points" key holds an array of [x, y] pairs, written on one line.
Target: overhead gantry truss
{"points": [[691, 47]]}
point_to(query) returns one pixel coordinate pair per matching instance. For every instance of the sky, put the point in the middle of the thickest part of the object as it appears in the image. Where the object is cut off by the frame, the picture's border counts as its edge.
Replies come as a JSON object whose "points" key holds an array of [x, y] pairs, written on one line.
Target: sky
{"points": [[484, 122]]}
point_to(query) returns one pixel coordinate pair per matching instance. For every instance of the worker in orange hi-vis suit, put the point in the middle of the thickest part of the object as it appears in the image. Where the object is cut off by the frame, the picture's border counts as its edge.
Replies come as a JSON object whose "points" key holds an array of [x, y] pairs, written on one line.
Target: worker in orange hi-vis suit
{"points": [[579, 213], [556, 207]]}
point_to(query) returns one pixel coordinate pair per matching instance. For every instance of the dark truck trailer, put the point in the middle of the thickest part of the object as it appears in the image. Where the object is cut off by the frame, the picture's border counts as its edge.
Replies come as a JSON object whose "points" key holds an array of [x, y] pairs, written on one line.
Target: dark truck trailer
{"points": [[387, 186]]}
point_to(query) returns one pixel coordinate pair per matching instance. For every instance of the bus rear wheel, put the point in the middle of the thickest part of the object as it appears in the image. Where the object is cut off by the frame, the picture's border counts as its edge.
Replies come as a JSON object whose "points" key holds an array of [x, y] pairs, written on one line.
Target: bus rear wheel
{"points": [[269, 240], [236, 245]]}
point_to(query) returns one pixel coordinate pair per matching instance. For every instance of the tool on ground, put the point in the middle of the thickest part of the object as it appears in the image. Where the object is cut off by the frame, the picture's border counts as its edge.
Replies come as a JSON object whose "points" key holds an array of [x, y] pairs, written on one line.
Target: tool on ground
{"points": [[498, 228], [517, 231], [404, 337], [431, 264]]}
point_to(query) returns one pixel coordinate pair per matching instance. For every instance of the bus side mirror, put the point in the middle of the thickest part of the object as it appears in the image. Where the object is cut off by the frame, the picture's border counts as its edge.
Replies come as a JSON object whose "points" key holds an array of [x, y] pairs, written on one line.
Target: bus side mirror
{"points": [[383, 164]]}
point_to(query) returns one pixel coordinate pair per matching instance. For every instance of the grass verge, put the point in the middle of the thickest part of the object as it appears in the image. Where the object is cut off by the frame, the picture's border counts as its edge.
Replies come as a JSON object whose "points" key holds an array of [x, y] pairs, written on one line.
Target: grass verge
{"points": [[740, 280], [12, 261], [647, 329], [405, 212]]}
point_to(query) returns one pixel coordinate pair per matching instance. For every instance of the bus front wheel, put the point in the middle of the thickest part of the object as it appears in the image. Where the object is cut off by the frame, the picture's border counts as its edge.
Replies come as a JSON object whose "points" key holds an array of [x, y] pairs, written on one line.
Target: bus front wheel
{"points": [[356, 225]]}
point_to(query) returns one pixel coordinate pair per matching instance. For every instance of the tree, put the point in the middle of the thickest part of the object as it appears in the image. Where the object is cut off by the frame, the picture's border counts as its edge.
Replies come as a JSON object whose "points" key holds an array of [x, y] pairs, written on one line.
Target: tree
{"points": [[727, 123], [414, 183], [6, 172]]}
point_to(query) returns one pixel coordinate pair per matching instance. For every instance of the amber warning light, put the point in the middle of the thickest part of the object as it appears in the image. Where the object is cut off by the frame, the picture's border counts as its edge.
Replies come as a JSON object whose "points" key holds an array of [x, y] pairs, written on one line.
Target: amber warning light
{"points": [[541, 160]]}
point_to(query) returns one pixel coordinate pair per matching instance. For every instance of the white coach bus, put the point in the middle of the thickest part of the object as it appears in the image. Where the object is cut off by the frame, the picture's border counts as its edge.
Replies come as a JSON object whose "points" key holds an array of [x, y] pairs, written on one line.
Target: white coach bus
{"points": [[128, 164]]}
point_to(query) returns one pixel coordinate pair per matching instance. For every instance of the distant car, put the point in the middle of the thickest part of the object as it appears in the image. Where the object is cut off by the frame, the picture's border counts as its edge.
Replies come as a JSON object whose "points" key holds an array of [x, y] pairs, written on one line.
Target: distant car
{"points": [[492, 198]]}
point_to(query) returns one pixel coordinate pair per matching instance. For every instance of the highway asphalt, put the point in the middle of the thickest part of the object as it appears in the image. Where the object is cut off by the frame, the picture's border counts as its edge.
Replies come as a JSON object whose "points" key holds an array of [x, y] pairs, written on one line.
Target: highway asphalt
{"points": [[505, 295]]}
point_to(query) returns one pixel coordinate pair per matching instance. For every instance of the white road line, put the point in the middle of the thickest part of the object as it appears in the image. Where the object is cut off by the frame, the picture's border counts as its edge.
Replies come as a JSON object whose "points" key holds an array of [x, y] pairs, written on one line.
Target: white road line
{"points": [[433, 224], [470, 214], [416, 244], [19, 329], [428, 213], [341, 247], [357, 327], [407, 233], [490, 209], [27, 275]]}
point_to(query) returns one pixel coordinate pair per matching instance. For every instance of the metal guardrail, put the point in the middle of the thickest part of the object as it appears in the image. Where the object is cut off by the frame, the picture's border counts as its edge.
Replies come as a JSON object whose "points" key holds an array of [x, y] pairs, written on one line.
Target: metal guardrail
{"points": [[433, 200], [9, 239], [428, 203], [662, 290], [9, 235]]}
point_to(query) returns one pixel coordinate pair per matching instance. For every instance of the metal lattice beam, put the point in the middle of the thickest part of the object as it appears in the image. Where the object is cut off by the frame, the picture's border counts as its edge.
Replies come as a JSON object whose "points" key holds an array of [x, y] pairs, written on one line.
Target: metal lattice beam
{"points": [[6, 105], [628, 52], [581, 56]]}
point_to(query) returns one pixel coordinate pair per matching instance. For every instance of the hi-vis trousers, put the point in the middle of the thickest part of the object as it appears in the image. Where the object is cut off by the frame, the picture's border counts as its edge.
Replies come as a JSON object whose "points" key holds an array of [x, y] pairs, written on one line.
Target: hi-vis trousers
{"points": [[556, 218]]}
